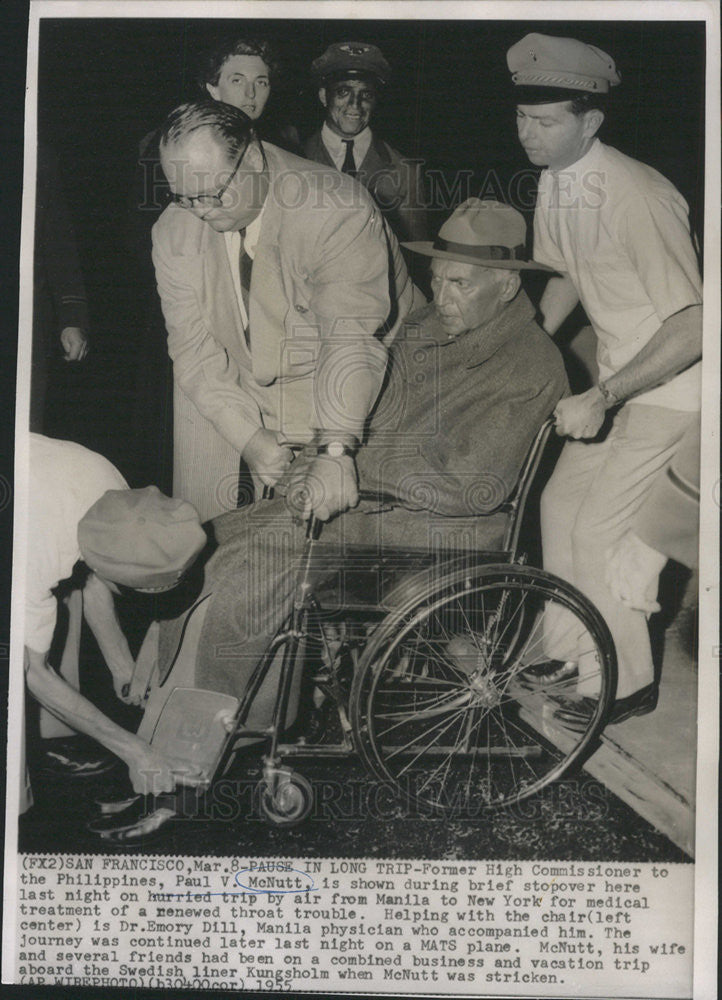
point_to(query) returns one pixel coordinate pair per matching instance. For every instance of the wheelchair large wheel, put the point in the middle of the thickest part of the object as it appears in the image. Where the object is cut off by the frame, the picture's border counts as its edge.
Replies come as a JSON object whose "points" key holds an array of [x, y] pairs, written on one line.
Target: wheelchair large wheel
{"points": [[455, 699]]}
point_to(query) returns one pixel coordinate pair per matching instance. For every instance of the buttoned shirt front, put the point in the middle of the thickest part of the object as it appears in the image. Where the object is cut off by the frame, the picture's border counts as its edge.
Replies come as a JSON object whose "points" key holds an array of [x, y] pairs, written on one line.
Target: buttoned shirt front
{"points": [[336, 146], [233, 249], [620, 230]]}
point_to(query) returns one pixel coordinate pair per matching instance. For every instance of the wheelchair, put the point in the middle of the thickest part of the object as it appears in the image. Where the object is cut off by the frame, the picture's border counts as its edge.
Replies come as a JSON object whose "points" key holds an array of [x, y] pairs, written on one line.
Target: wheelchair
{"points": [[436, 674]]}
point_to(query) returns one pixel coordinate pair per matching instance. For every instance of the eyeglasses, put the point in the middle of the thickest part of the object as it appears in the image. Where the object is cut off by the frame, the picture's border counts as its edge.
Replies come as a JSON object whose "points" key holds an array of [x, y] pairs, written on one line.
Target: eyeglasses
{"points": [[208, 200]]}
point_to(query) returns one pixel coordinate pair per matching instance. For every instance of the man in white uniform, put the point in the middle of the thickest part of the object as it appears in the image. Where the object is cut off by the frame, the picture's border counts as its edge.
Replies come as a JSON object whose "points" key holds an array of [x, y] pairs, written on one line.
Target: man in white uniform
{"points": [[80, 508], [618, 234]]}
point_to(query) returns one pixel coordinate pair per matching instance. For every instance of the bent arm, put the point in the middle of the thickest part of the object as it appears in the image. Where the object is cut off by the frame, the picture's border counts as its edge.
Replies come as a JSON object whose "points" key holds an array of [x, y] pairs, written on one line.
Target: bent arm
{"points": [[202, 367], [675, 346], [150, 771], [71, 707], [557, 301], [99, 610]]}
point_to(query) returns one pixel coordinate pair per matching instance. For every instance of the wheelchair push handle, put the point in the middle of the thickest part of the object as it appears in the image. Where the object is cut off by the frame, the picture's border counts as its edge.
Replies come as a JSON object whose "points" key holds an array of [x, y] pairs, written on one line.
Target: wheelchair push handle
{"points": [[313, 525]]}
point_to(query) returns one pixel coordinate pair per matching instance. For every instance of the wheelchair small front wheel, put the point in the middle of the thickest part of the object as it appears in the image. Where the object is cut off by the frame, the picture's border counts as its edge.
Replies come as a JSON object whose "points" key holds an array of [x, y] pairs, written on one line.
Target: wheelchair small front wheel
{"points": [[286, 797], [459, 699]]}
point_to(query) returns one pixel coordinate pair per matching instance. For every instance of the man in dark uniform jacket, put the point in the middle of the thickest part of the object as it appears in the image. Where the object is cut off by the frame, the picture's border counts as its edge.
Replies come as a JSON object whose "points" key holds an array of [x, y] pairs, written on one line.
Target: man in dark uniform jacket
{"points": [[60, 307], [350, 76]]}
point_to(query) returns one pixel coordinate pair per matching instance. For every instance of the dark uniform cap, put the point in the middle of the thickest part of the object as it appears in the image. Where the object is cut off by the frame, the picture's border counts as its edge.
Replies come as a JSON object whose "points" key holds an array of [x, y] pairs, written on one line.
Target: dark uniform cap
{"points": [[561, 64], [140, 538], [352, 59], [482, 232]]}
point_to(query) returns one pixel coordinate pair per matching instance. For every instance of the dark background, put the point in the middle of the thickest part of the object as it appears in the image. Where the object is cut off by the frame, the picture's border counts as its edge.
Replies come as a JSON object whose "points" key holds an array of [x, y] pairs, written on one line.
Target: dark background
{"points": [[105, 83]]}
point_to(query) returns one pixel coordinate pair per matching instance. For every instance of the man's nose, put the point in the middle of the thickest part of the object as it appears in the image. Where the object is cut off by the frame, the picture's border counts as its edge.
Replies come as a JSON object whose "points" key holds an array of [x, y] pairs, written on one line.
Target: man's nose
{"points": [[355, 101], [524, 127], [250, 88], [441, 292]]}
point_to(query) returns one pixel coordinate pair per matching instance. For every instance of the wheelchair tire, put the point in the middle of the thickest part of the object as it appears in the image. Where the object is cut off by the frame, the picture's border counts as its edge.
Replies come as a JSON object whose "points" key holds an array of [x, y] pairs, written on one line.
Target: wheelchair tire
{"points": [[451, 703], [286, 797]]}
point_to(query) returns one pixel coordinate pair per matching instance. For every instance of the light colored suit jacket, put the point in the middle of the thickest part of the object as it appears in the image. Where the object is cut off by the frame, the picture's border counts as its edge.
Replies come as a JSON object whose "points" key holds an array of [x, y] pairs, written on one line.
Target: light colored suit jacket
{"points": [[319, 304]]}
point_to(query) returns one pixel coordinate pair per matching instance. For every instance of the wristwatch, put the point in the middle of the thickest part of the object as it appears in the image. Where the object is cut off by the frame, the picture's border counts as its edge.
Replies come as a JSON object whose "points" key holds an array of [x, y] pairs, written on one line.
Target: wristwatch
{"points": [[610, 399], [335, 449]]}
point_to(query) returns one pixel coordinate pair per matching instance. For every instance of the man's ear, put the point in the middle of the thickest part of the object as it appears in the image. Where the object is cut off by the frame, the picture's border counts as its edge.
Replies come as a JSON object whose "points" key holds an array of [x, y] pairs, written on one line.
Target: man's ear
{"points": [[510, 285], [322, 96], [213, 91], [593, 122]]}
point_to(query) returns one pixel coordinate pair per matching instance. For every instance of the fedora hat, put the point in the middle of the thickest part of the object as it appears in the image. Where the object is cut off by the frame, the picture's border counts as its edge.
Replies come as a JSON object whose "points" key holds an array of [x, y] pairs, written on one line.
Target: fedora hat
{"points": [[485, 233]]}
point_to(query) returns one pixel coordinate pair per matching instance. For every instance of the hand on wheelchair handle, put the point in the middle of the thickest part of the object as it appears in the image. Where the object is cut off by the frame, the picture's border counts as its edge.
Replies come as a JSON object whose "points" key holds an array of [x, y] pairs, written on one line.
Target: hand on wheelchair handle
{"points": [[322, 486]]}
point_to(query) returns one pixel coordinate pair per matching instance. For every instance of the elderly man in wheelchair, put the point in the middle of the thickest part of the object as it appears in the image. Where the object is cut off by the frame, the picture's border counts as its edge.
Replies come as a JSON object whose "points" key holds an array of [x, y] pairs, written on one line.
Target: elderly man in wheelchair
{"points": [[409, 624]]}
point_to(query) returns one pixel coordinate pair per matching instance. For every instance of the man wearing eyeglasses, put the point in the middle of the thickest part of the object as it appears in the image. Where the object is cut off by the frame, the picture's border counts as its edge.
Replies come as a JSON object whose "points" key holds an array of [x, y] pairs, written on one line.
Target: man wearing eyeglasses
{"points": [[277, 279]]}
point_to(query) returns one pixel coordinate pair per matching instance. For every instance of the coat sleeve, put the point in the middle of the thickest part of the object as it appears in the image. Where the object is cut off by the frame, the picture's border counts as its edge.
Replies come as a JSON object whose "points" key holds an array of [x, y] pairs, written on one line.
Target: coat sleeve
{"points": [[202, 367], [57, 245], [350, 298]]}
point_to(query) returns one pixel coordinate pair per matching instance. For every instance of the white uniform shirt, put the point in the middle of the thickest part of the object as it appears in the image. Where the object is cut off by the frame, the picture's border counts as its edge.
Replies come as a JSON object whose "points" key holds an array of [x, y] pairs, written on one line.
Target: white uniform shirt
{"points": [[620, 230], [65, 481]]}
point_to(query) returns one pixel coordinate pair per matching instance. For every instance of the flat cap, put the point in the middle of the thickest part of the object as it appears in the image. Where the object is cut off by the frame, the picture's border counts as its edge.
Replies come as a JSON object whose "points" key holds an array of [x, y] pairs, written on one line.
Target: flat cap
{"points": [[354, 59], [561, 63], [140, 538]]}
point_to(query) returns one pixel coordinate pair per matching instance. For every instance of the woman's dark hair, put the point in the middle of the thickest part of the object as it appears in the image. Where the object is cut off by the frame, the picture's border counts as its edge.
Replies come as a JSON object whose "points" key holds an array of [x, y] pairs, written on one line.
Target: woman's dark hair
{"points": [[212, 61]]}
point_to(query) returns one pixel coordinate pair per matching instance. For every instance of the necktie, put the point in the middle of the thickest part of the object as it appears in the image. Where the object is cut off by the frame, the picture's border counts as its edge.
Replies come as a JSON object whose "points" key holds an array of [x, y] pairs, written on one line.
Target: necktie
{"points": [[349, 164], [245, 265]]}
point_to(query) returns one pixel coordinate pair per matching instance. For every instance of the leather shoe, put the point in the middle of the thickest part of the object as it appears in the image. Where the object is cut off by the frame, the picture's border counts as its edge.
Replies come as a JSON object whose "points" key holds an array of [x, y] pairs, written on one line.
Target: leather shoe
{"points": [[550, 672], [75, 757], [639, 703], [576, 715]]}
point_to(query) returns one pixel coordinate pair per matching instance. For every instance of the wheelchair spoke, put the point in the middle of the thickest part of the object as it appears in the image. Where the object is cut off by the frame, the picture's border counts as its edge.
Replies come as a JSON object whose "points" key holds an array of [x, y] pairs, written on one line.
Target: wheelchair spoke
{"points": [[446, 685]]}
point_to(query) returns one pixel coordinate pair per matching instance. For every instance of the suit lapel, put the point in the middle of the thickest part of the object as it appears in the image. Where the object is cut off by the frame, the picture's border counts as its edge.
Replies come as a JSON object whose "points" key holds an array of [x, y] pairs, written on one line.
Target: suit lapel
{"points": [[219, 295]]}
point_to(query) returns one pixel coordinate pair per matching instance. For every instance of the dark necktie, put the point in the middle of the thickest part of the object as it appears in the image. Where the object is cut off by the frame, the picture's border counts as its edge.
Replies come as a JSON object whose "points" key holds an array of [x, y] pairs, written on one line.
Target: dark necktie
{"points": [[349, 164], [246, 488], [245, 265]]}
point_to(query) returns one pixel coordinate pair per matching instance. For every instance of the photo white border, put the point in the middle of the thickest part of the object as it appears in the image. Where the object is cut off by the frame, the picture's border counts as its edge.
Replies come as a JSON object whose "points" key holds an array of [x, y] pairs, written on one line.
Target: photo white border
{"points": [[706, 904]]}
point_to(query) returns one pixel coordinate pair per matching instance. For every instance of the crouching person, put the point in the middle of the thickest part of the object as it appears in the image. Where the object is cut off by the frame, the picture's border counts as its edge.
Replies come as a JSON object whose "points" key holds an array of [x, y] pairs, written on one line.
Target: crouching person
{"points": [[80, 509]]}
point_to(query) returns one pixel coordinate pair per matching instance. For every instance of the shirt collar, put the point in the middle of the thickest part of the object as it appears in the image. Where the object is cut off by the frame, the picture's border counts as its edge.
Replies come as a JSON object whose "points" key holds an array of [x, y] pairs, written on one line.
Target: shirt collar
{"points": [[337, 147], [583, 163], [476, 346], [253, 230]]}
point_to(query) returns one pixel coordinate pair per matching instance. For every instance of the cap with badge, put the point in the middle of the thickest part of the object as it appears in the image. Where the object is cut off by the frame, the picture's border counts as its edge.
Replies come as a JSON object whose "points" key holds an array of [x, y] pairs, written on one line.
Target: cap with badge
{"points": [[351, 59], [482, 232], [140, 538], [547, 69]]}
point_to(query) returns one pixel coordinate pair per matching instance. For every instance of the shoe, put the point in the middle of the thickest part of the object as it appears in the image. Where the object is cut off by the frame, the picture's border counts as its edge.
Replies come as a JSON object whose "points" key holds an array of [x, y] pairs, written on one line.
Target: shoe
{"points": [[121, 817], [317, 722], [110, 807], [145, 816], [76, 757], [147, 830], [541, 675], [640, 703], [576, 714]]}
